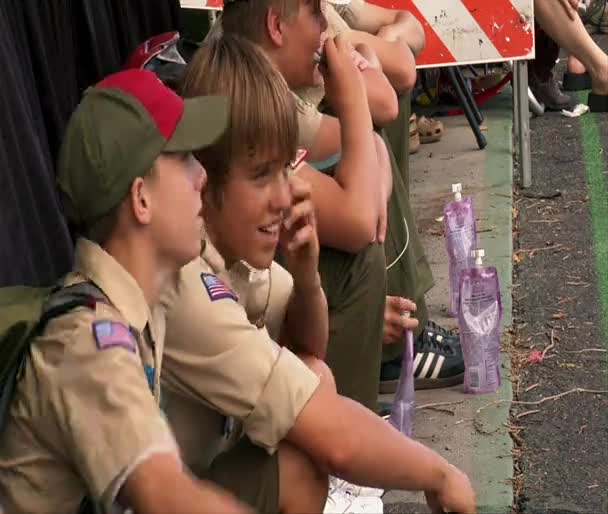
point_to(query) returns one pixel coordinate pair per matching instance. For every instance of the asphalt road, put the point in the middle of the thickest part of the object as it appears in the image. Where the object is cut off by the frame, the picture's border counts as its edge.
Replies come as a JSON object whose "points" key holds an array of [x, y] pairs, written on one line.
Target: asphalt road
{"points": [[561, 309]]}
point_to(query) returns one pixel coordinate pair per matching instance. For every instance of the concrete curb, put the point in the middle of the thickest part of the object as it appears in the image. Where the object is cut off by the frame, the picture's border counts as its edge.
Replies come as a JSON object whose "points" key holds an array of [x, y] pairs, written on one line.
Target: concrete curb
{"points": [[475, 440]]}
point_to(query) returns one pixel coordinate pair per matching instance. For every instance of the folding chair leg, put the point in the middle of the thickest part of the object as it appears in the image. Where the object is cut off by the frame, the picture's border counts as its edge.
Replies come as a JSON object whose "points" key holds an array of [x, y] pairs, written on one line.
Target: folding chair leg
{"points": [[468, 107], [469, 95]]}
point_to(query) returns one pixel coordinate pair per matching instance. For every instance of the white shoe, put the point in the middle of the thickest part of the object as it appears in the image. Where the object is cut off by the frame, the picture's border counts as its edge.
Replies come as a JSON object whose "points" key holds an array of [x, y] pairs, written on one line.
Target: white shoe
{"points": [[340, 501], [355, 490]]}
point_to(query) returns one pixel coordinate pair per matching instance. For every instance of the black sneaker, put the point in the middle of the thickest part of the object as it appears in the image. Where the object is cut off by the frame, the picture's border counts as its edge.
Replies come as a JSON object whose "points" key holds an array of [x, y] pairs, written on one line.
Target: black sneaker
{"points": [[438, 362], [441, 334]]}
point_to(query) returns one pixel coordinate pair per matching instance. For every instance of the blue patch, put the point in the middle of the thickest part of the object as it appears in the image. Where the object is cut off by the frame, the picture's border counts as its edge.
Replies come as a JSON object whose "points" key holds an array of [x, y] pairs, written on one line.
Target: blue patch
{"points": [[216, 289], [150, 376], [112, 334]]}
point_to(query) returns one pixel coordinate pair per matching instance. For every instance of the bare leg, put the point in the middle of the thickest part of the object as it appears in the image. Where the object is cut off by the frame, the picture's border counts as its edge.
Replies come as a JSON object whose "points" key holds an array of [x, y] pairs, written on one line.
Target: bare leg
{"points": [[303, 487], [573, 37], [575, 66]]}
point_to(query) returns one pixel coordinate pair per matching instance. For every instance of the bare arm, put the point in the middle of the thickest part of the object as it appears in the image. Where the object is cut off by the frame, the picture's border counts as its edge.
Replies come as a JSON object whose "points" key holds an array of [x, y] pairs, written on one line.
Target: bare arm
{"points": [[350, 218], [344, 219], [307, 322], [397, 59], [355, 444], [381, 96], [389, 24], [159, 485], [354, 188]]}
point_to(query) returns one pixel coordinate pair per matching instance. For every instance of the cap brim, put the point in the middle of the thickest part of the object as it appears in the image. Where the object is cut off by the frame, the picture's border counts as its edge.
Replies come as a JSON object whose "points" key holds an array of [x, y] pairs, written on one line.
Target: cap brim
{"points": [[204, 120]]}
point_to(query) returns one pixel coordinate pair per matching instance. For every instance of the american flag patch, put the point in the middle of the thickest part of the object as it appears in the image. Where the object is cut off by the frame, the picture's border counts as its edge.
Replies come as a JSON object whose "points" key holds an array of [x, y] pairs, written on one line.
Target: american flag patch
{"points": [[112, 334], [216, 289]]}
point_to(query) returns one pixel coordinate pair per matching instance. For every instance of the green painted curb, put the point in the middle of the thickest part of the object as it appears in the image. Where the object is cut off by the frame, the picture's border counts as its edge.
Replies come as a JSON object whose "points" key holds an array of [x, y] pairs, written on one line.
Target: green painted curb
{"points": [[598, 195], [493, 458]]}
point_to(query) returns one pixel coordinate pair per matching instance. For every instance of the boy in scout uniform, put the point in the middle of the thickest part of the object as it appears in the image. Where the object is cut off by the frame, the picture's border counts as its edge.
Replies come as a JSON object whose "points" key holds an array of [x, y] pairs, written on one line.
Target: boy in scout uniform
{"points": [[245, 337], [284, 29], [350, 206], [85, 419]]}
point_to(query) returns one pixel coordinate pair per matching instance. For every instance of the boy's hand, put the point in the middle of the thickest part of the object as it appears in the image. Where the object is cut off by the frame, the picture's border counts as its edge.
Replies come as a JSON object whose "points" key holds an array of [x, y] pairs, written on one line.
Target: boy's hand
{"points": [[455, 494], [395, 320], [344, 87], [371, 58], [299, 239]]}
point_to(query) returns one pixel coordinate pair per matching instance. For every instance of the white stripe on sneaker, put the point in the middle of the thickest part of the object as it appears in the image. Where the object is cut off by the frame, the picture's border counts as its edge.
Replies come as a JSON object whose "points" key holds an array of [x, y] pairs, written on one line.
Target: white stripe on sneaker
{"points": [[417, 361], [427, 365], [438, 366]]}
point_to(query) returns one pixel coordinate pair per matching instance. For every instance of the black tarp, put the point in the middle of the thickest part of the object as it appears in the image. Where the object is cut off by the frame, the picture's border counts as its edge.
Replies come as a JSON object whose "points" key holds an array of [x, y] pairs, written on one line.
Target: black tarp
{"points": [[50, 51]]}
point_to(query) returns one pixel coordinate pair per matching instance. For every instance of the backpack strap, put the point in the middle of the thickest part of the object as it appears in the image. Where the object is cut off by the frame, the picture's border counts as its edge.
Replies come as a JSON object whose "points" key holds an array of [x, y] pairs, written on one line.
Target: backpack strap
{"points": [[61, 301]]}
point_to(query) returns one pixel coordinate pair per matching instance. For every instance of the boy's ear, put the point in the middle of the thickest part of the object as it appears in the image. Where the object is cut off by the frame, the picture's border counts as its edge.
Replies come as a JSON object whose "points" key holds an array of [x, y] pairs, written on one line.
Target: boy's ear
{"points": [[141, 201], [274, 27]]}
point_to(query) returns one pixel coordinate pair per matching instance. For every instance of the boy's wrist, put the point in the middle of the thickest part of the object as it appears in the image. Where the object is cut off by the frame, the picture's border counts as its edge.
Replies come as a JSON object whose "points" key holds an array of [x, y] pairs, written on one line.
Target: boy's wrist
{"points": [[307, 285]]}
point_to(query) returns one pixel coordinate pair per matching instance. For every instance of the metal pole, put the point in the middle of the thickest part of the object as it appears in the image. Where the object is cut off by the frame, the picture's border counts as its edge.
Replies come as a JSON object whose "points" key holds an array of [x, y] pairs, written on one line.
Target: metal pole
{"points": [[522, 122]]}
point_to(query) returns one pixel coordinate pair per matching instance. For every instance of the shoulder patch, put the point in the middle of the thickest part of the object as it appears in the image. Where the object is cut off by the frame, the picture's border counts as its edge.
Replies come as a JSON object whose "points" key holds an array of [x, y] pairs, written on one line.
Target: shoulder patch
{"points": [[111, 334], [216, 289]]}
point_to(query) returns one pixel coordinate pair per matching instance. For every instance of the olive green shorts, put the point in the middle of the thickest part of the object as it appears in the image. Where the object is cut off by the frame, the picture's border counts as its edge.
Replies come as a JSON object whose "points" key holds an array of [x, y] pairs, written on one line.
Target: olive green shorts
{"points": [[250, 473]]}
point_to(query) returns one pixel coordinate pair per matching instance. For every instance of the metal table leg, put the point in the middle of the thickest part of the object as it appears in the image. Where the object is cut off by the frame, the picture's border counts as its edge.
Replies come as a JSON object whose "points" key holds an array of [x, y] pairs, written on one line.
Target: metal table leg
{"points": [[522, 122]]}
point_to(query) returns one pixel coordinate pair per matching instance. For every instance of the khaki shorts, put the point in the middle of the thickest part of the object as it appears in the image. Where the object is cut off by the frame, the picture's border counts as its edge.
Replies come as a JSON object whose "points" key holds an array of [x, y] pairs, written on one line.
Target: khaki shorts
{"points": [[250, 473]]}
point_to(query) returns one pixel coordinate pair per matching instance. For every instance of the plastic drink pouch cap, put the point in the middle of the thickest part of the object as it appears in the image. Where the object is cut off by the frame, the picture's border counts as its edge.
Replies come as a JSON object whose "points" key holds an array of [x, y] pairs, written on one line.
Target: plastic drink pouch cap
{"points": [[460, 239], [479, 316]]}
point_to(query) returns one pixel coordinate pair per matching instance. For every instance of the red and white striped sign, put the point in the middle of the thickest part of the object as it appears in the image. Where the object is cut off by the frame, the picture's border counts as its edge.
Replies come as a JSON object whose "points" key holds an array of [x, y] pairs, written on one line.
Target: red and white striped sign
{"points": [[471, 31], [459, 31]]}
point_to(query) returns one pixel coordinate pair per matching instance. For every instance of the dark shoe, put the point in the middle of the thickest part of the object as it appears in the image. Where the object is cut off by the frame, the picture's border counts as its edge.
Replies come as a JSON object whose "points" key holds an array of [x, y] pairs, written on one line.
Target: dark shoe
{"points": [[438, 362], [549, 94], [576, 81]]}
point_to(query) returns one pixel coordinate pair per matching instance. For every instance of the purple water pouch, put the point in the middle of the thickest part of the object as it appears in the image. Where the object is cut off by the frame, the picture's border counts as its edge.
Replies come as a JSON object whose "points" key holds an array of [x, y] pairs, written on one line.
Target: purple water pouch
{"points": [[461, 239], [479, 317]]}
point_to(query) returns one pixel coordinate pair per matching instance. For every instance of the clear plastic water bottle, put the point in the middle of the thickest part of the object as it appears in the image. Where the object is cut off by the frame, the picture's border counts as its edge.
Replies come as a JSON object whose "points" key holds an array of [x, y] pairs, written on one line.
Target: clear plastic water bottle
{"points": [[479, 317], [460, 239], [404, 404]]}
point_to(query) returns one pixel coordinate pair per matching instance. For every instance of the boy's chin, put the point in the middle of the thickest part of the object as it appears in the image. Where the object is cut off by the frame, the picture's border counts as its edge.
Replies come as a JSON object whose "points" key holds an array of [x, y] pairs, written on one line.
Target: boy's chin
{"points": [[260, 261]]}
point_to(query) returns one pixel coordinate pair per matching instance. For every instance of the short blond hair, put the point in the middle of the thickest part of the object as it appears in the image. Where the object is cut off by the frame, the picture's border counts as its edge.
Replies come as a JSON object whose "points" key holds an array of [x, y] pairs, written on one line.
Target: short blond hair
{"points": [[263, 118], [248, 17]]}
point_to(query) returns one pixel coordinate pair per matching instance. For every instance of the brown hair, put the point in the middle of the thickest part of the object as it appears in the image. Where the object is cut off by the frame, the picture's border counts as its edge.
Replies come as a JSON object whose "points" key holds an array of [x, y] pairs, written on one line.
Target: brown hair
{"points": [[263, 117], [248, 17]]}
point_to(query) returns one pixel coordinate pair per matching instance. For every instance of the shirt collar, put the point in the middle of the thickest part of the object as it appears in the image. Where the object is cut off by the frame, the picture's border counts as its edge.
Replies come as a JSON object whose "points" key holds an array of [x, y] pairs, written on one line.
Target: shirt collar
{"points": [[119, 286]]}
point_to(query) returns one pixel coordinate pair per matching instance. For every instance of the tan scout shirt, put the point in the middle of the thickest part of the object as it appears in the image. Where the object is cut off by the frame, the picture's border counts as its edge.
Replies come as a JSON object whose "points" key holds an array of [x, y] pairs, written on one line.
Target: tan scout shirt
{"points": [[84, 416], [221, 360]]}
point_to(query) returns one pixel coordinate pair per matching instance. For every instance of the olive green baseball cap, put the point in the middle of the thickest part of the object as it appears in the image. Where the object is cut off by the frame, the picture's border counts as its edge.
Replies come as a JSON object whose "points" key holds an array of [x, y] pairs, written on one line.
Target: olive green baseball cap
{"points": [[119, 129]]}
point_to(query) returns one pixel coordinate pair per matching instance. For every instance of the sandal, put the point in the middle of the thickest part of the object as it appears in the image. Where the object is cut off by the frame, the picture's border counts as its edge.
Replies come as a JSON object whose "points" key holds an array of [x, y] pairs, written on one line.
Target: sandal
{"points": [[414, 135], [429, 129]]}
